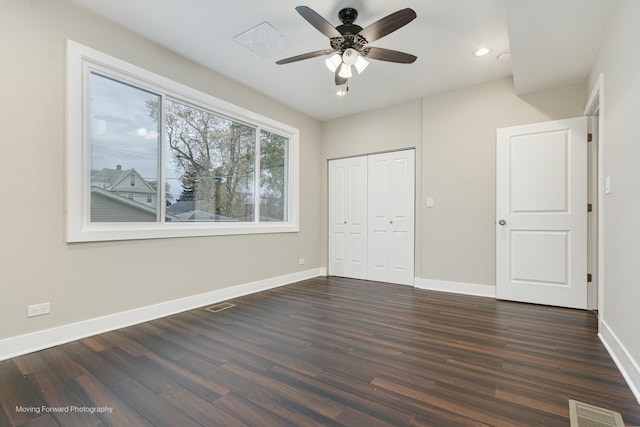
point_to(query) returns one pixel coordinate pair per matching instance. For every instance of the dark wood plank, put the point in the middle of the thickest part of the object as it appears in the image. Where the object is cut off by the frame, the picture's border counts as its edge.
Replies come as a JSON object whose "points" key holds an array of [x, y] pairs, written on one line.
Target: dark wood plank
{"points": [[43, 420], [19, 401], [196, 384], [201, 410], [236, 384], [100, 395], [65, 406], [331, 352], [250, 413], [154, 408], [94, 363]]}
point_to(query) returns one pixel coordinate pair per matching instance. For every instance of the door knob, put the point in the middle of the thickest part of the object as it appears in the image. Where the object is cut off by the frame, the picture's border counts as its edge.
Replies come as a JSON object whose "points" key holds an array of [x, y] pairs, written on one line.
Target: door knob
{"points": [[502, 222], [390, 222], [345, 222]]}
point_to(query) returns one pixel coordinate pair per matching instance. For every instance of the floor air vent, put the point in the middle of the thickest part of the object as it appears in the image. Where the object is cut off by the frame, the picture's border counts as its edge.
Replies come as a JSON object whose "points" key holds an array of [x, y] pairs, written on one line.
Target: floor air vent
{"points": [[585, 415], [219, 307]]}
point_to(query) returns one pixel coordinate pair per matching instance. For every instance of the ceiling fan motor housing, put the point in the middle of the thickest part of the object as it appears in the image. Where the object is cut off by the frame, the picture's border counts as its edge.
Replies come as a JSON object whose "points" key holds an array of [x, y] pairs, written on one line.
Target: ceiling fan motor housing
{"points": [[355, 41], [348, 15]]}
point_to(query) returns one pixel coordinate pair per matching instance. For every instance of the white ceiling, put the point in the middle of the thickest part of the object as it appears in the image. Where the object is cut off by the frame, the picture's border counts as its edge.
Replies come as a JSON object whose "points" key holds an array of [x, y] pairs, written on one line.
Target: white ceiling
{"points": [[553, 42]]}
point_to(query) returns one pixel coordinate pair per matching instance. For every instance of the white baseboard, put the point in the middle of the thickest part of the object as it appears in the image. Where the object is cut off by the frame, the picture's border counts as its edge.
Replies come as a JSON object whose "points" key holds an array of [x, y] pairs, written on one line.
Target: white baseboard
{"points": [[627, 366], [456, 287], [34, 341]]}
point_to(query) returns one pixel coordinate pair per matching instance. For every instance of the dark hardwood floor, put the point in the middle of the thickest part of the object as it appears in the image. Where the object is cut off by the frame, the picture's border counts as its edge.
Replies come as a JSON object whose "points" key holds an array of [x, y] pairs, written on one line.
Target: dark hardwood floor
{"points": [[326, 351]]}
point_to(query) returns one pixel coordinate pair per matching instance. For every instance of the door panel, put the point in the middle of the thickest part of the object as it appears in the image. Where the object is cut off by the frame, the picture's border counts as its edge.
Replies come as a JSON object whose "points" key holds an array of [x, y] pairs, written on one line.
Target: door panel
{"points": [[391, 216], [357, 196], [532, 191], [540, 257], [339, 247], [400, 241], [378, 256], [541, 206], [357, 248], [348, 217]]}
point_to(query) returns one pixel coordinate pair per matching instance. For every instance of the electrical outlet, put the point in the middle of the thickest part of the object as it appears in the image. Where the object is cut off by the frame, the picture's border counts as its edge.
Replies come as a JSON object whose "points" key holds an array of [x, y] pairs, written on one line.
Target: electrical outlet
{"points": [[301, 261], [38, 309]]}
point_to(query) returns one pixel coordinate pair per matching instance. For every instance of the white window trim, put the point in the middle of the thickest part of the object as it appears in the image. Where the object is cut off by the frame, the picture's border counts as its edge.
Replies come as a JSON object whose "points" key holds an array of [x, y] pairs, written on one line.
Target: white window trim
{"points": [[80, 229]]}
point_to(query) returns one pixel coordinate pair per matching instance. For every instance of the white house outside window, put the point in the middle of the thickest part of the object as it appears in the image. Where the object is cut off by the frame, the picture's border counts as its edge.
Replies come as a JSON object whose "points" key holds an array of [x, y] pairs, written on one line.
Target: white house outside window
{"points": [[151, 158]]}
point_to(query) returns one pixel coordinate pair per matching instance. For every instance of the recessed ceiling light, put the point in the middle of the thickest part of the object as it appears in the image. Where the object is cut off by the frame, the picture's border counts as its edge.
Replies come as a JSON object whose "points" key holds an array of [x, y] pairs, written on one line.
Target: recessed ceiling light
{"points": [[483, 51]]}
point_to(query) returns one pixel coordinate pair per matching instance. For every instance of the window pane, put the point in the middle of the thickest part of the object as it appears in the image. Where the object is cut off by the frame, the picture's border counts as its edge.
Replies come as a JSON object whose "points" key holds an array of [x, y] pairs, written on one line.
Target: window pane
{"points": [[124, 138], [210, 166], [273, 176]]}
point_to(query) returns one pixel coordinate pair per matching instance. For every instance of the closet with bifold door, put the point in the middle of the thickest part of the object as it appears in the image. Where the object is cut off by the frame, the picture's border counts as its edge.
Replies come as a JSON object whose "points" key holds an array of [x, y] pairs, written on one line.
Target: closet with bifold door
{"points": [[371, 217]]}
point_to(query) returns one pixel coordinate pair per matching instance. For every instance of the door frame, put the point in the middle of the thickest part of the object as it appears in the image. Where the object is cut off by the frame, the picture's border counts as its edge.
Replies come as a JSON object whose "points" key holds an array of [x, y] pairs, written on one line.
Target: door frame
{"points": [[595, 107]]}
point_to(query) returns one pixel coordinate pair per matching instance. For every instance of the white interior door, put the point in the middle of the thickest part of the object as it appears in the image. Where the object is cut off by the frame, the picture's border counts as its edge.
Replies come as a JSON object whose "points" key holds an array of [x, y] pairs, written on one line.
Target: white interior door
{"points": [[541, 206], [391, 217], [348, 217]]}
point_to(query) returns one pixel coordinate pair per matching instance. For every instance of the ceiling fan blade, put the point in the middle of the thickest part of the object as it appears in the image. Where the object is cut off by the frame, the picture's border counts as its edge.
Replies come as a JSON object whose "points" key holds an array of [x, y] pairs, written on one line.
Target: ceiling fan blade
{"points": [[340, 80], [389, 55], [307, 55], [388, 24], [318, 22]]}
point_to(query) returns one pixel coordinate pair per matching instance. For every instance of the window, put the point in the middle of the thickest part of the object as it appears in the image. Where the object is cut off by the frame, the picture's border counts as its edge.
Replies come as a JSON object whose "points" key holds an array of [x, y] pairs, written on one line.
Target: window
{"points": [[212, 160], [152, 158], [273, 177]]}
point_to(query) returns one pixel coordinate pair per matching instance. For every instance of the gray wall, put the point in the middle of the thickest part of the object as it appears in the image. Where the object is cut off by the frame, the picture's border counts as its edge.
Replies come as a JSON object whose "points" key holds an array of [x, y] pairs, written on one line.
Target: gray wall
{"points": [[621, 67], [84, 281], [458, 171], [454, 135]]}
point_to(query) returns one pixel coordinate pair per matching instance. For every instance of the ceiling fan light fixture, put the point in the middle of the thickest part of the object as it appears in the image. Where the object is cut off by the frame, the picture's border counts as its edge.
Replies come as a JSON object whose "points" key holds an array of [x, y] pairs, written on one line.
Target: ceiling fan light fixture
{"points": [[333, 62], [345, 71], [342, 90], [350, 56], [360, 64]]}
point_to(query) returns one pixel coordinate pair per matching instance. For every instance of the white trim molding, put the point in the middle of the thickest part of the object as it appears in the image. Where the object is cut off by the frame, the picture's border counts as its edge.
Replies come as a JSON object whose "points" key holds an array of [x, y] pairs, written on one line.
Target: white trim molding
{"points": [[39, 340], [456, 287], [627, 366], [595, 106]]}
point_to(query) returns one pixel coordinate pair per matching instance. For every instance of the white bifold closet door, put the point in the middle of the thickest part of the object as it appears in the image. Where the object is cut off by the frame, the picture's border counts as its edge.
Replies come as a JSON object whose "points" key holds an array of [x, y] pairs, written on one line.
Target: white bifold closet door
{"points": [[348, 217], [391, 194], [371, 217]]}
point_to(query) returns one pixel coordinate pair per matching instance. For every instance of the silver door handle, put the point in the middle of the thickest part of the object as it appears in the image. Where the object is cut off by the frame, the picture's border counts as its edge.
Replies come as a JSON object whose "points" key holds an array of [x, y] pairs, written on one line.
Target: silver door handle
{"points": [[502, 222]]}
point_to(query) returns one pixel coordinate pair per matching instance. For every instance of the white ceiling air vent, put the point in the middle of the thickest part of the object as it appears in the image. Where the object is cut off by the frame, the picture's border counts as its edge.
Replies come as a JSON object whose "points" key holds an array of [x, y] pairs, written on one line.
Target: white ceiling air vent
{"points": [[263, 40]]}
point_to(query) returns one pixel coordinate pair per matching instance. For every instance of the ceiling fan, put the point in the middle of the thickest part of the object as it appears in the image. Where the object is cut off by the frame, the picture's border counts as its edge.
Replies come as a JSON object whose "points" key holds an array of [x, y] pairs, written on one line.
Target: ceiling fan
{"points": [[350, 42]]}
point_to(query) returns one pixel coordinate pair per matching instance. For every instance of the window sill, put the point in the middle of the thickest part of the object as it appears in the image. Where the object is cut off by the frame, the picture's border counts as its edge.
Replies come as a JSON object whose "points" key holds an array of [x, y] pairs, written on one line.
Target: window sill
{"points": [[109, 231]]}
